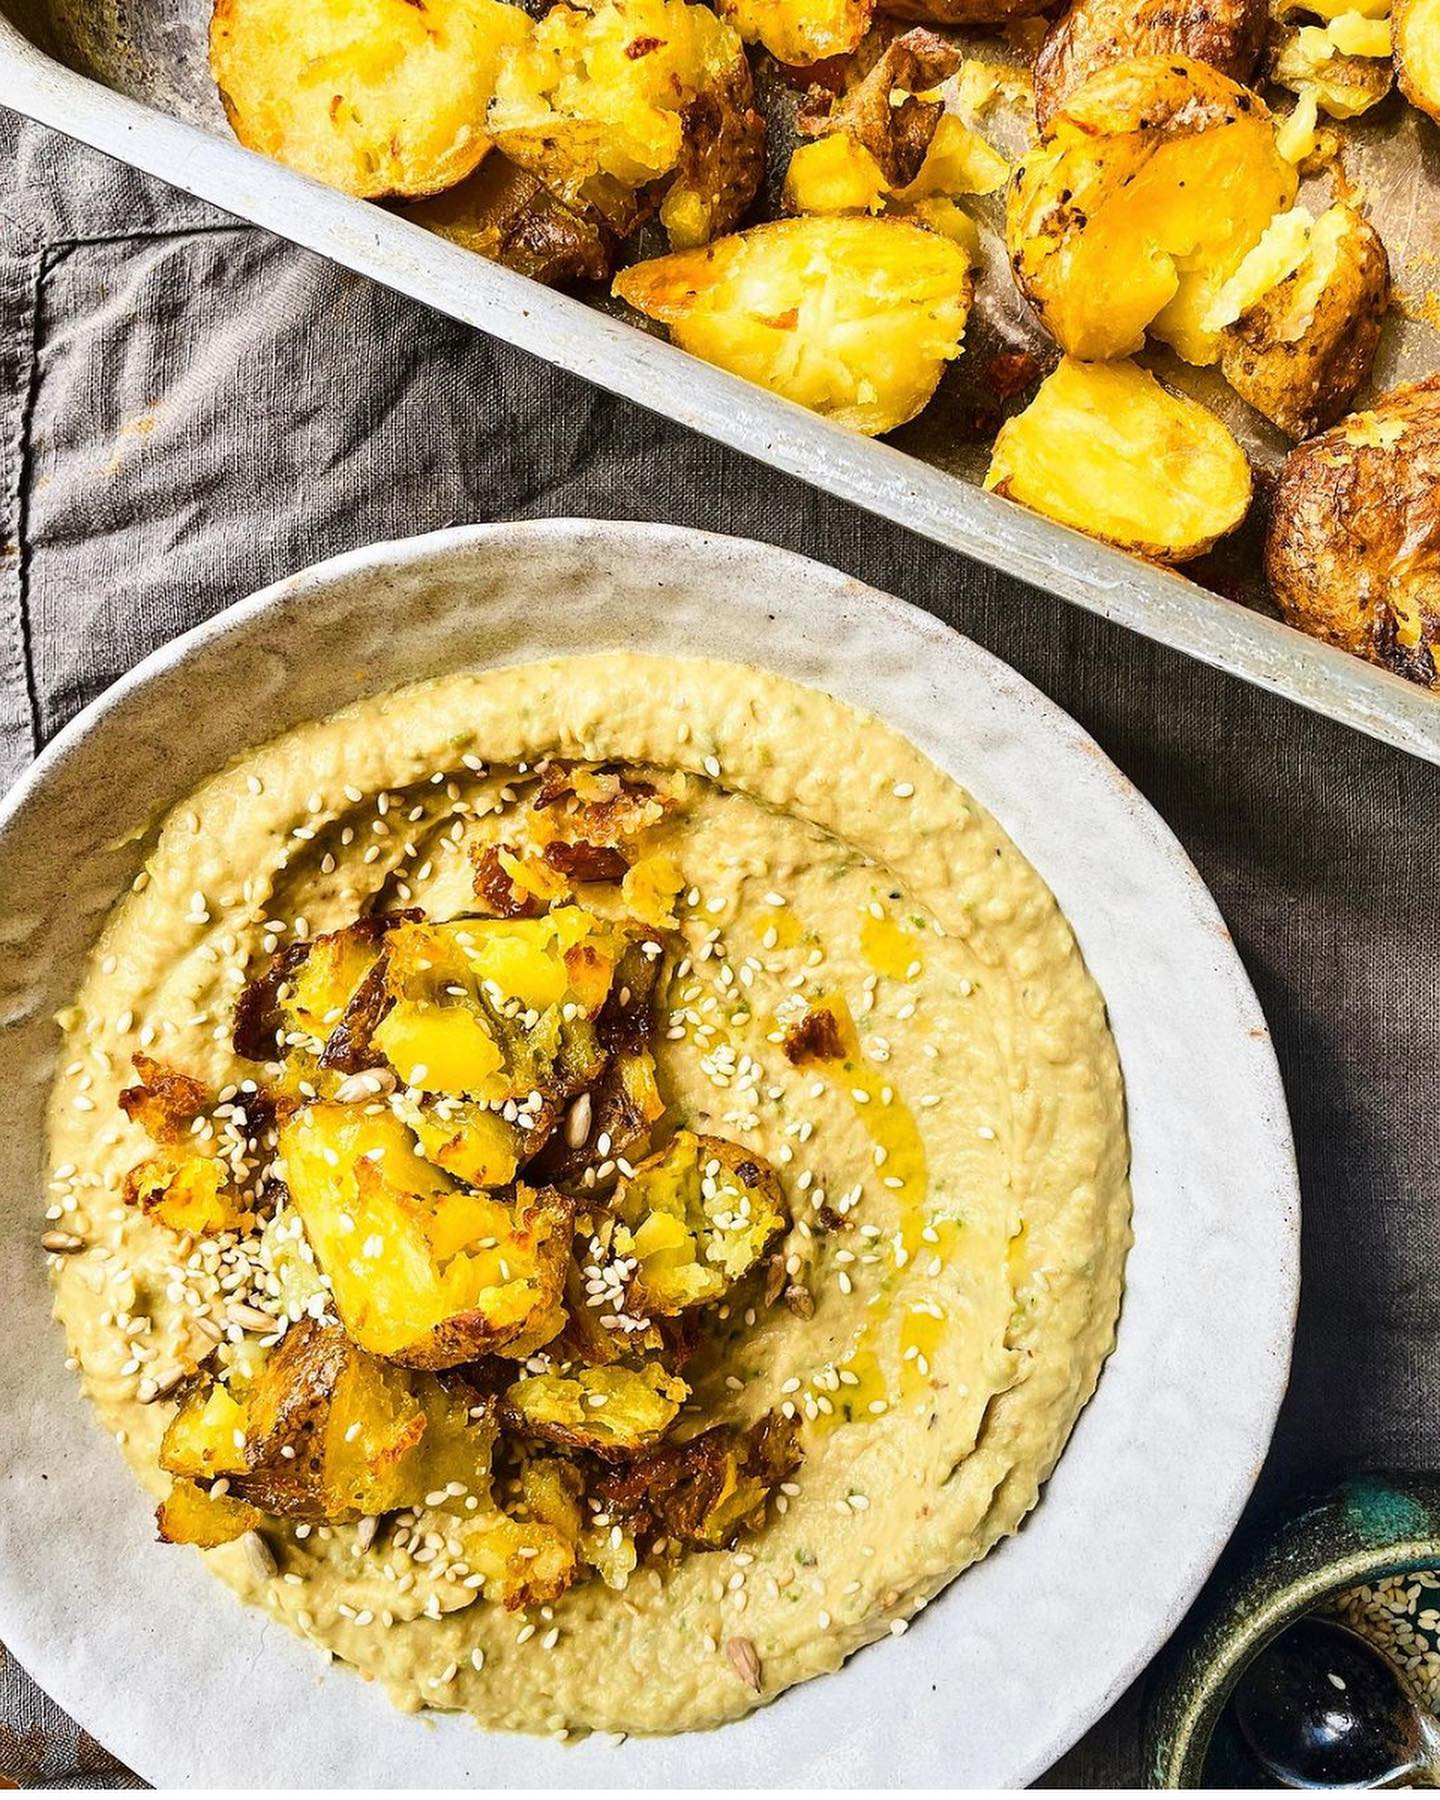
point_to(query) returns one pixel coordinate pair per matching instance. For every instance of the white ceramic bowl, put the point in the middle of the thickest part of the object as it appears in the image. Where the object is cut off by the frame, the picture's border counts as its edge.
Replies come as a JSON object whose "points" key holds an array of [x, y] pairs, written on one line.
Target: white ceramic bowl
{"points": [[1008, 1667]]}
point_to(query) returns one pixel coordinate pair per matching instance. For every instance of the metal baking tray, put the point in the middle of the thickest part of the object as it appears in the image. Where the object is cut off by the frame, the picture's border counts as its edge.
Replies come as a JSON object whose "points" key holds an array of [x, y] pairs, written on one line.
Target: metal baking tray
{"points": [[130, 78]]}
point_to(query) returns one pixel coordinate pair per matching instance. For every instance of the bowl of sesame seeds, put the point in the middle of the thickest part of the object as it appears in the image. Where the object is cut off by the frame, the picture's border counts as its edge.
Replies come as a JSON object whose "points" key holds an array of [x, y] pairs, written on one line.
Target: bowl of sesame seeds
{"points": [[592, 1183], [1365, 1553]]}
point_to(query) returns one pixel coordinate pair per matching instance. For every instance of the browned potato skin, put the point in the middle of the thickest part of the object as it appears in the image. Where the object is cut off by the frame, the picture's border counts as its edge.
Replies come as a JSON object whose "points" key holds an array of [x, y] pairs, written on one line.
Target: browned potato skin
{"points": [[896, 136], [504, 213], [964, 12], [1419, 76], [722, 158], [1227, 34], [1306, 384], [1356, 527]]}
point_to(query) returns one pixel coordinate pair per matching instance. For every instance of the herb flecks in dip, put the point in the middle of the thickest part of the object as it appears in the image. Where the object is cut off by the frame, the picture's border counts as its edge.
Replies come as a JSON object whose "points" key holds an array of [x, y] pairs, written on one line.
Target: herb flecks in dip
{"points": [[639, 1137]]}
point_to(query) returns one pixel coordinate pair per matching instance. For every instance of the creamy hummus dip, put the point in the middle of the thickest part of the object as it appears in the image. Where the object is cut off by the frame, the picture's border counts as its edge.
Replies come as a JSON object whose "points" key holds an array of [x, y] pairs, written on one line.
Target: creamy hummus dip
{"points": [[950, 1275]]}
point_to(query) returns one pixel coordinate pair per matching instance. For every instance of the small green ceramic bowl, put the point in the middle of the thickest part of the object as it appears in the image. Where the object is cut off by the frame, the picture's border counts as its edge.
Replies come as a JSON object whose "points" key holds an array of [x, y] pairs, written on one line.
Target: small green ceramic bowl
{"points": [[1369, 1527]]}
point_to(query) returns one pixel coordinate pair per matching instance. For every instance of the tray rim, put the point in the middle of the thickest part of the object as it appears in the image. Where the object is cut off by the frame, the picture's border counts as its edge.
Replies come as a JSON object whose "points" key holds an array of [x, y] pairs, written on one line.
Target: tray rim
{"points": [[1157, 603], [1263, 1257]]}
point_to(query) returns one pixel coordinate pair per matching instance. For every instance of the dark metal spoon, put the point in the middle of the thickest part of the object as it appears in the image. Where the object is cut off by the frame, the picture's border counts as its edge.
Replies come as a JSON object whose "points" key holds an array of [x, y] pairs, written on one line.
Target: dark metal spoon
{"points": [[1322, 1707]]}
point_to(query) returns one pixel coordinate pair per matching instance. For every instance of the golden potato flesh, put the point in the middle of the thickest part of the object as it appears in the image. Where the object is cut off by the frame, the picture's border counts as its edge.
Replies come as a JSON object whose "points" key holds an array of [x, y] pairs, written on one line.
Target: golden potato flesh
{"points": [[614, 1411], [965, 12], [1345, 63], [595, 105], [1308, 304], [694, 1219], [852, 317], [1353, 552], [1416, 26], [800, 32], [325, 1432], [1226, 34], [1146, 191], [372, 96], [1104, 448], [424, 1271], [190, 1515]]}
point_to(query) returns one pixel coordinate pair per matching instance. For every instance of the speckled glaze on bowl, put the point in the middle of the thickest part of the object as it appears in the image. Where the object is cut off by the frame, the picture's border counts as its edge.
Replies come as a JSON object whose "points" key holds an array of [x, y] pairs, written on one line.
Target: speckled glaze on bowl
{"points": [[1369, 1527], [1007, 1667]]}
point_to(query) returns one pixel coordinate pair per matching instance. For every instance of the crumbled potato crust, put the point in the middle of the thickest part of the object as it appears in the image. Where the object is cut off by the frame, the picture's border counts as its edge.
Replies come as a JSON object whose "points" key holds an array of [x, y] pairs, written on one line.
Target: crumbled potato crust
{"points": [[375, 97], [1104, 448], [853, 317]]}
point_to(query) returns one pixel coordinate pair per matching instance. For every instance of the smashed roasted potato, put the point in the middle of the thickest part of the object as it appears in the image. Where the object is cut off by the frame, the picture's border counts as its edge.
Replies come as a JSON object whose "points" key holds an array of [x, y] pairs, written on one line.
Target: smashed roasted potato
{"points": [[612, 99], [705, 1492], [801, 32], [1149, 186], [965, 12], [423, 1270], [1345, 63], [379, 98], [1300, 319], [1416, 31], [191, 1515], [697, 1217], [1353, 552], [1091, 34], [893, 110], [852, 317], [324, 1432], [1104, 448], [505, 213], [612, 1410]]}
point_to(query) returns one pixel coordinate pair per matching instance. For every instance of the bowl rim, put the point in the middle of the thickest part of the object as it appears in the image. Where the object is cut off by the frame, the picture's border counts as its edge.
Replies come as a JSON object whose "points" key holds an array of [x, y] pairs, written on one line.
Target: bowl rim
{"points": [[925, 636]]}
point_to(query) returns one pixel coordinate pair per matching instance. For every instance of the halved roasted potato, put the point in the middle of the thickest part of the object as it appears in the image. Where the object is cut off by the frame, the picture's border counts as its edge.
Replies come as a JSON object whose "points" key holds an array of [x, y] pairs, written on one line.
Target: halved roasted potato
{"points": [[600, 103], [190, 1515], [325, 1432], [695, 1218], [1416, 28], [1300, 319], [1353, 553], [1091, 34], [614, 1410], [424, 1271], [708, 1491], [374, 97], [1105, 448], [503, 212], [801, 32], [1149, 186], [852, 317]]}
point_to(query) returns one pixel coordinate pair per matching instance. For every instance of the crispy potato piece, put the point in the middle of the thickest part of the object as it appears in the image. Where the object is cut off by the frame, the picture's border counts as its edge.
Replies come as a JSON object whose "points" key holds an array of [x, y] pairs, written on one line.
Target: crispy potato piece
{"points": [[1345, 63], [190, 1515], [704, 1493], [164, 1102], [815, 1038], [480, 1005], [424, 1272], [1416, 26], [325, 1432], [852, 317], [886, 112], [834, 174], [801, 32], [1353, 553], [602, 803], [1105, 448], [307, 992], [722, 160], [623, 1106], [192, 1194], [612, 1410], [504, 213], [596, 106], [1300, 326], [373, 97], [512, 884], [524, 1562], [1149, 186], [1092, 34], [697, 1217]]}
